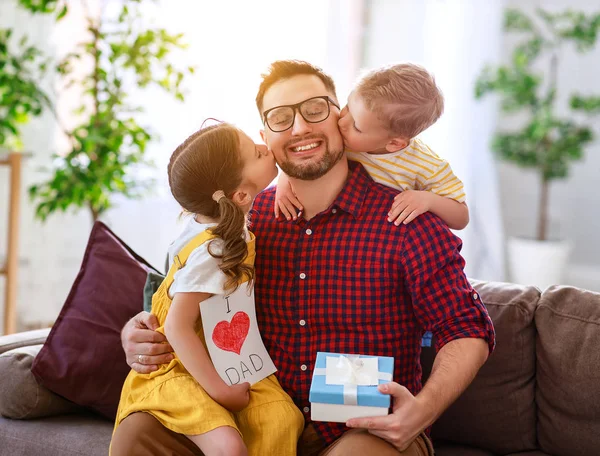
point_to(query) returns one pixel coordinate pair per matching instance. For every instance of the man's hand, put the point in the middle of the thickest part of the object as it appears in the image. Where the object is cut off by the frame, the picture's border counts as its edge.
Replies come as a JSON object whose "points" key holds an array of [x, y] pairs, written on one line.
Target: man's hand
{"points": [[145, 349], [408, 419], [408, 205]]}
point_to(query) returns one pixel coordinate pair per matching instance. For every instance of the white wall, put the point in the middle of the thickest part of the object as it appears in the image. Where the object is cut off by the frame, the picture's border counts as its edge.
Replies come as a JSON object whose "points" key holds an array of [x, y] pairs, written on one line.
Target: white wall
{"points": [[49, 253], [575, 202], [453, 39]]}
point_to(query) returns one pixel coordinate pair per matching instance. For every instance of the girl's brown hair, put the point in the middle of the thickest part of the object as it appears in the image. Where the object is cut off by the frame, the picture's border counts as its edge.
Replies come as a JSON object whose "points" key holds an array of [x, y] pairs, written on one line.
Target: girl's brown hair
{"points": [[208, 161]]}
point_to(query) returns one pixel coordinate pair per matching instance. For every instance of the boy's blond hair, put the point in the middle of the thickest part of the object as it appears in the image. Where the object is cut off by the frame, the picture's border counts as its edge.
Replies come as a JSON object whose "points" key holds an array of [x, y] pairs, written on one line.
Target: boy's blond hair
{"points": [[404, 97]]}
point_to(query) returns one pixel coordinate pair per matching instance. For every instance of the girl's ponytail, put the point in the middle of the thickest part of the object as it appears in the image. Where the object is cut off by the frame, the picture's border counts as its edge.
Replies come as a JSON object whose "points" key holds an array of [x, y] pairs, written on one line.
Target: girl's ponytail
{"points": [[232, 230]]}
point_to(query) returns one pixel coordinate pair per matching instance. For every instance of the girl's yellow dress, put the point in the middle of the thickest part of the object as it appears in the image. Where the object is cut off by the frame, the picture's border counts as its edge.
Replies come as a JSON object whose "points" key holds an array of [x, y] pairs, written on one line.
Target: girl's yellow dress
{"points": [[270, 425]]}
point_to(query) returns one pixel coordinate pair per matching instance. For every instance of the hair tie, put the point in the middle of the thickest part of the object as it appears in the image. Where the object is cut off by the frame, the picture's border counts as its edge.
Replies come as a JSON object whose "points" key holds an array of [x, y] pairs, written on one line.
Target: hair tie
{"points": [[218, 195]]}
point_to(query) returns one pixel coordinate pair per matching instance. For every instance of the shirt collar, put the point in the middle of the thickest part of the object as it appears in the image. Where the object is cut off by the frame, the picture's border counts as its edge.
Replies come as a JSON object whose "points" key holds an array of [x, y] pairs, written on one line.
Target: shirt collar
{"points": [[352, 196]]}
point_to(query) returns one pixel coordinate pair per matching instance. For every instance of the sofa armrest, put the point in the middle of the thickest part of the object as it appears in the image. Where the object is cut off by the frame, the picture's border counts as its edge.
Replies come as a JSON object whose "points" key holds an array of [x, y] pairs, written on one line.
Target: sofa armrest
{"points": [[23, 339]]}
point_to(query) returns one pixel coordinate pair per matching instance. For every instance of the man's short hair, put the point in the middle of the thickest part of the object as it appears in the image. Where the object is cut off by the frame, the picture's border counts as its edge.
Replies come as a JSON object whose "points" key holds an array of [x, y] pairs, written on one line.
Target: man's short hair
{"points": [[285, 69], [404, 97]]}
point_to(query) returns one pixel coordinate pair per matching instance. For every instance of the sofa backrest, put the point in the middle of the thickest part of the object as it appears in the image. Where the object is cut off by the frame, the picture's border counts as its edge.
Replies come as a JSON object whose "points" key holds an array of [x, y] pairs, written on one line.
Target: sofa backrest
{"points": [[497, 410], [541, 387], [568, 371]]}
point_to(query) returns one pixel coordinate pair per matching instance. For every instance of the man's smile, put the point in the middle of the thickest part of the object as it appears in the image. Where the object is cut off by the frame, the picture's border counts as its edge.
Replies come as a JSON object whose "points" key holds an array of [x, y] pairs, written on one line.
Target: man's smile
{"points": [[306, 147]]}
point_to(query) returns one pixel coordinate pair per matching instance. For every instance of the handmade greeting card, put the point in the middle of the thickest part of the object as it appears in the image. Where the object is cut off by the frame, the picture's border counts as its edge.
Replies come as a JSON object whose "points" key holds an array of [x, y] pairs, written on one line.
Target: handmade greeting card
{"points": [[232, 338]]}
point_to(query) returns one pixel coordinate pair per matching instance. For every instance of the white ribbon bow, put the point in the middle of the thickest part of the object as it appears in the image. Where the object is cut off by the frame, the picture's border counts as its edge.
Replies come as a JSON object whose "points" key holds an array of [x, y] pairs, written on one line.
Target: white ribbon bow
{"points": [[352, 371]]}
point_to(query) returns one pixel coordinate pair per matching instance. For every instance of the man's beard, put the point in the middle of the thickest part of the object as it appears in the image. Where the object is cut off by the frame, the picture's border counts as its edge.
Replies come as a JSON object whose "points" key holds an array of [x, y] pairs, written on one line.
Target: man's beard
{"points": [[311, 170]]}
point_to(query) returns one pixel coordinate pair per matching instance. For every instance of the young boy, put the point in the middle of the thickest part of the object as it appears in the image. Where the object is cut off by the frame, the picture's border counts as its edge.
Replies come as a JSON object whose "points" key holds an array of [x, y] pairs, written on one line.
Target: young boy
{"points": [[386, 110]]}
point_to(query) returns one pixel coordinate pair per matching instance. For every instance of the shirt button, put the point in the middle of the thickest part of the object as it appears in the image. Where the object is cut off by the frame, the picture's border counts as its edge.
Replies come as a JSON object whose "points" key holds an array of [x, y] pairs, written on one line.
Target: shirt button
{"points": [[302, 276], [306, 409], [309, 231], [303, 367], [334, 210], [302, 322], [475, 296]]}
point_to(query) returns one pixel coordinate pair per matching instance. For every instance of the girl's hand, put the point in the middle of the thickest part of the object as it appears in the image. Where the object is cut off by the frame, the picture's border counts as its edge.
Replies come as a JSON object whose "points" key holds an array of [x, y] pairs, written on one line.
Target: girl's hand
{"points": [[408, 205], [286, 202], [235, 397]]}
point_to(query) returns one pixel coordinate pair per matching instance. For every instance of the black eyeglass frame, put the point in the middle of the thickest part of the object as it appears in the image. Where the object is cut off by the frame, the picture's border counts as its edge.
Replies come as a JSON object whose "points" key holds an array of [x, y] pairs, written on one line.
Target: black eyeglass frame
{"points": [[296, 108]]}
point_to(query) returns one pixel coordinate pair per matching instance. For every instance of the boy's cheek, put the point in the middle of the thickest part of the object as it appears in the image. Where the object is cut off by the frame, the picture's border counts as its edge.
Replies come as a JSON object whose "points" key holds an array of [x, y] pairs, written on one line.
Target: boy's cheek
{"points": [[349, 144]]}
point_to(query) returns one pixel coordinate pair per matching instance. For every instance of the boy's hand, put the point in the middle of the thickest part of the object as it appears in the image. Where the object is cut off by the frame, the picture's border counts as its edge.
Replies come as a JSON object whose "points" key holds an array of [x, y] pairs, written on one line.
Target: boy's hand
{"points": [[286, 202], [408, 205], [236, 397]]}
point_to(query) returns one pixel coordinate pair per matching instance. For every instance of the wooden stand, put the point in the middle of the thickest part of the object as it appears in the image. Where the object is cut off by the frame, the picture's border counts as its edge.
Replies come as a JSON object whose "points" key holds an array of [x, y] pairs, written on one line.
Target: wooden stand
{"points": [[11, 267]]}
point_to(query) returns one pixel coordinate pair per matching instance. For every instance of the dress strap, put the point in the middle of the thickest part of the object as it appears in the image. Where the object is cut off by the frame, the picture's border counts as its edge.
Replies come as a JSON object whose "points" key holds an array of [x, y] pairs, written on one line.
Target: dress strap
{"points": [[181, 258]]}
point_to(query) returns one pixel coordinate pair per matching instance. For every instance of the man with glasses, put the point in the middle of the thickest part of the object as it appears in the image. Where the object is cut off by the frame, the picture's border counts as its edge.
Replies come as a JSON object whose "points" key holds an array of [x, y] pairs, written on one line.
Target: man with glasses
{"points": [[314, 110], [342, 279]]}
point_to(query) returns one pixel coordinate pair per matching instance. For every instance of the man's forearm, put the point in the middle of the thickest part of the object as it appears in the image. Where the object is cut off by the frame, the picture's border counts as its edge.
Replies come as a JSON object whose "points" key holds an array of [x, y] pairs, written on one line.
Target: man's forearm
{"points": [[454, 369]]}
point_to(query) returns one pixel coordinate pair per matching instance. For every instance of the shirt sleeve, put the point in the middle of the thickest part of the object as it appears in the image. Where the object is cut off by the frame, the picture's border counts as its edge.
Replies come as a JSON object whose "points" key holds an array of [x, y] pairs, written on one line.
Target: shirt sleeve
{"points": [[201, 273], [443, 300], [444, 182]]}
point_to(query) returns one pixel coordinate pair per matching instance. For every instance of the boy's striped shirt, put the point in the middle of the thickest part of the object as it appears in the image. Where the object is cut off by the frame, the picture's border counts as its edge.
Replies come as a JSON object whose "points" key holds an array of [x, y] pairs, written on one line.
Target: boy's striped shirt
{"points": [[416, 167]]}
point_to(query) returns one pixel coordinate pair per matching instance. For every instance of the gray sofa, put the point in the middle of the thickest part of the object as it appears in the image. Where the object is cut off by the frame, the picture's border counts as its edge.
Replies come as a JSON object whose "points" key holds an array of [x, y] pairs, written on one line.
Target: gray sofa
{"points": [[539, 394]]}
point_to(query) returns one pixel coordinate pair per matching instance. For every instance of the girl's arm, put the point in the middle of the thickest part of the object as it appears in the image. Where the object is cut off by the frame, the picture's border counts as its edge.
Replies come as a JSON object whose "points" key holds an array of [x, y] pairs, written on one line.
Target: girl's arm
{"points": [[409, 204], [286, 202], [180, 331]]}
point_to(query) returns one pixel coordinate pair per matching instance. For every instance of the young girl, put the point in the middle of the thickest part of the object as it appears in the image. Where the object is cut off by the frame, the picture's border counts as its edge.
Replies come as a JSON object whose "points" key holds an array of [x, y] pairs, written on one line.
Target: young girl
{"points": [[214, 175]]}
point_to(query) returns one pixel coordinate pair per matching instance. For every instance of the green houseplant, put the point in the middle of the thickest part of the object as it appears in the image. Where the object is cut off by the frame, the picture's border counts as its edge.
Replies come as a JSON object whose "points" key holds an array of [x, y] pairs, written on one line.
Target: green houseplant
{"points": [[108, 145], [527, 86], [21, 98]]}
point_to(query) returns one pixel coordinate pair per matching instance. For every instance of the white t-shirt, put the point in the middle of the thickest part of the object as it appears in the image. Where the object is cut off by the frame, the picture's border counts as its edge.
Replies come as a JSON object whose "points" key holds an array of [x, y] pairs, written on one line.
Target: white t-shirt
{"points": [[201, 272]]}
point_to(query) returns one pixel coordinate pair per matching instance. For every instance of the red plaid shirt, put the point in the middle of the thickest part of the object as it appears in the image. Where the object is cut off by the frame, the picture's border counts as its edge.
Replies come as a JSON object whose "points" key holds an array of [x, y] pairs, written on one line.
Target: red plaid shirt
{"points": [[348, 281]]}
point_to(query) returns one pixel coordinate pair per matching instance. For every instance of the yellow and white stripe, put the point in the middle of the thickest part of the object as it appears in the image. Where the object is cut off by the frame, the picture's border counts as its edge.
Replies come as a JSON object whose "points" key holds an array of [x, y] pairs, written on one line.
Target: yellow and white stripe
{"points": [[416, 167]]}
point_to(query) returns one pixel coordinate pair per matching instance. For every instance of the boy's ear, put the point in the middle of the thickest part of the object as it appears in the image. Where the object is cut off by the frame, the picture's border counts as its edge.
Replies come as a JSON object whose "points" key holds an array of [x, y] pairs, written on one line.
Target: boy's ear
{"points": [[396, 144], [241, 197]]}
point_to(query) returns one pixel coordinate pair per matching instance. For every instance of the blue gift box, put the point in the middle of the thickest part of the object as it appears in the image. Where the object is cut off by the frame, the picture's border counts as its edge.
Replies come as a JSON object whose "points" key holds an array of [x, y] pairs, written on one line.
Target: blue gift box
{"points": [[340, 402]]}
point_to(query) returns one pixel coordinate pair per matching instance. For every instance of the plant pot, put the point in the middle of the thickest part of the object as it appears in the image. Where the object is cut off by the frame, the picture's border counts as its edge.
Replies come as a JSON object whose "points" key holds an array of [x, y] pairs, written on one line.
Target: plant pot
{"points": [[539, 263]]}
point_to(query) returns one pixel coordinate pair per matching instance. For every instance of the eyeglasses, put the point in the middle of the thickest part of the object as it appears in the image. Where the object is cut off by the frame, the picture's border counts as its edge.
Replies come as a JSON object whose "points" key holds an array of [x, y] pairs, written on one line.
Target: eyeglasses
{"points": [[313, 110]]}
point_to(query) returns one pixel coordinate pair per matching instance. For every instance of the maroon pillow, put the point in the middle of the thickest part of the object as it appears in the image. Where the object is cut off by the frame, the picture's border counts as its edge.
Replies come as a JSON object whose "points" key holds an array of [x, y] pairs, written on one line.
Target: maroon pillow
{"points": [[82, 359]]}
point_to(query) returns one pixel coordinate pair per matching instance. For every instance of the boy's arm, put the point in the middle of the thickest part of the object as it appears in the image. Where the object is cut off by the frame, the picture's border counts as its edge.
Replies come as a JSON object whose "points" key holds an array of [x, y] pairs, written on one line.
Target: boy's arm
{"points": [[455, 214], [286, 202], [409, 204], [180, 331]]}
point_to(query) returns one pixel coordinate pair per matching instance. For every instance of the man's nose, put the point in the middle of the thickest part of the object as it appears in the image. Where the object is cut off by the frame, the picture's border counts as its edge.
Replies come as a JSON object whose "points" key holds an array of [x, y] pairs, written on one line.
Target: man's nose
{"points": [[300, 126]]}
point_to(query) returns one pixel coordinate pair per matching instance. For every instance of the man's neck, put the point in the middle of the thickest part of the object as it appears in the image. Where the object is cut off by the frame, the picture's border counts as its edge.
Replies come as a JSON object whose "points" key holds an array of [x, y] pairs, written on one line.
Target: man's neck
{"points": [[317, 195]]}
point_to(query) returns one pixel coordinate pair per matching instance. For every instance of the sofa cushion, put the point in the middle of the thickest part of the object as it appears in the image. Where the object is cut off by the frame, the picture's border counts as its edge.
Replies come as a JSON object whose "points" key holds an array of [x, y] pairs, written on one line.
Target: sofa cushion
{"points": [[453, 449], [568, 371], [21, 397], [530, 453], [497, 411], [65, 435], [82, 359]]}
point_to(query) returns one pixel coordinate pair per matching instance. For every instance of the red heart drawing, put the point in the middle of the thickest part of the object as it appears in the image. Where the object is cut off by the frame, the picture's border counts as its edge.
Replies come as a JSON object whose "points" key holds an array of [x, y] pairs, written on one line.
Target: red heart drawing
{"points": [[231, 336]]}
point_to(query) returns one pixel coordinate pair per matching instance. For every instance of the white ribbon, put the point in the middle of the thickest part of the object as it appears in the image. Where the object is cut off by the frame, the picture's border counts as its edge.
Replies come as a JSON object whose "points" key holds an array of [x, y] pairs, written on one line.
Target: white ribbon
{"points": [[352, 371]]}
